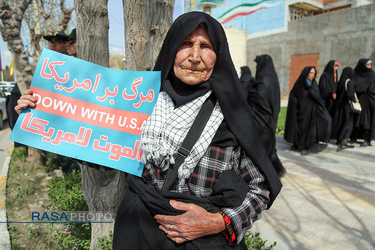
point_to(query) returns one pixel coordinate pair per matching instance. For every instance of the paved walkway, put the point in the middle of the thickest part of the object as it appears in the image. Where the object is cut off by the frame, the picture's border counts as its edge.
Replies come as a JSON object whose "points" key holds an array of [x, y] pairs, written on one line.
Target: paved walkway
{"points": [[327, 202]]}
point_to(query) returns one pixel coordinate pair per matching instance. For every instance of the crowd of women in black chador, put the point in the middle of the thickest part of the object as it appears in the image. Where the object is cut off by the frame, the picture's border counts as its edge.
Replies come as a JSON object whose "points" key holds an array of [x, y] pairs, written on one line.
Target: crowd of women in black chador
{"points": [[318, 113], [357, 86], [264, 98]]}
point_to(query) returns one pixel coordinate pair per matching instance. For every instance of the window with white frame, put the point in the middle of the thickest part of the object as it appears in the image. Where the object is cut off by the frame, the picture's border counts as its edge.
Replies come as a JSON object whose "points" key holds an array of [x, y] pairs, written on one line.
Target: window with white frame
{"points": [[297, 13]]}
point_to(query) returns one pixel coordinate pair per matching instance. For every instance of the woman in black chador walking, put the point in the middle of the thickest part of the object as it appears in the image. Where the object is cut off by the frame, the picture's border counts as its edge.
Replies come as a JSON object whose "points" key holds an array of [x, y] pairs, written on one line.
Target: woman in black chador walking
{"points": [[364, 85], [307, 119], [328, 85], [246, 75], [343, 118], [264, 98]]}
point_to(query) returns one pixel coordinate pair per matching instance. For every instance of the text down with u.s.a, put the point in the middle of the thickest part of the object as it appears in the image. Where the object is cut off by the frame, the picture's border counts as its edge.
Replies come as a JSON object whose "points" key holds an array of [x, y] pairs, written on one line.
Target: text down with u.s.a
{"points": [[88, 112]]}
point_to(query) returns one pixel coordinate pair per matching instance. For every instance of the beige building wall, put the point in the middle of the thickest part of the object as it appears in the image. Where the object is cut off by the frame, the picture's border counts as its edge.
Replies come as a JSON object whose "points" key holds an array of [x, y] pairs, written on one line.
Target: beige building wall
{"points": [[237, 41]]}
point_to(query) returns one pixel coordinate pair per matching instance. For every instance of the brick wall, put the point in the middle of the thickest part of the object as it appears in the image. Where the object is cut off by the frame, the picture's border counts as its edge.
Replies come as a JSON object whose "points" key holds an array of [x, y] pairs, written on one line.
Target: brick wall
{"points": [[298, 63], [330, 1], [318, 1], [333, 9]]}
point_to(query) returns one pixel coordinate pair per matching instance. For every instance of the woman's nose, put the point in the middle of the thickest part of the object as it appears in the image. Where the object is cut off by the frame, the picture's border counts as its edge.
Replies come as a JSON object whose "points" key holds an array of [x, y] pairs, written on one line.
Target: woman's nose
{"points": [[195, 53]]}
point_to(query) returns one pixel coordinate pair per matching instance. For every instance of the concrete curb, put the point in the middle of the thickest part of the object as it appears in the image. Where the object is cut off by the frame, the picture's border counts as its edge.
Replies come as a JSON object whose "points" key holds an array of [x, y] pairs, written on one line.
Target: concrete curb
{"points": [[4, 234], [361, 153]]}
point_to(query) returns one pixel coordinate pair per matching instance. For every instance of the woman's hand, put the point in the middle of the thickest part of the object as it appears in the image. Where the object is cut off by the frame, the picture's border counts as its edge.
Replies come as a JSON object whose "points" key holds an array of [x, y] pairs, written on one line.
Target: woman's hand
{"points": [[195, 223], [26, 100]]}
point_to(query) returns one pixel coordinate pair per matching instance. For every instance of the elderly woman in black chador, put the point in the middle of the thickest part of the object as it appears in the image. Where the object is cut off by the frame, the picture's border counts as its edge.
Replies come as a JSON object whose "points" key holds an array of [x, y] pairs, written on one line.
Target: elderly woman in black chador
{"points": [[264, 98], [226, 180], [343, 118], [328, 85], [307, 119], [364, 81]]}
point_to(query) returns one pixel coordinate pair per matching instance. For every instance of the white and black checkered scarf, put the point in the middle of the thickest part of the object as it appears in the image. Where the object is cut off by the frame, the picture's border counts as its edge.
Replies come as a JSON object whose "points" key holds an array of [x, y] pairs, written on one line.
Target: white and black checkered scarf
{"points": [[166, 129]]}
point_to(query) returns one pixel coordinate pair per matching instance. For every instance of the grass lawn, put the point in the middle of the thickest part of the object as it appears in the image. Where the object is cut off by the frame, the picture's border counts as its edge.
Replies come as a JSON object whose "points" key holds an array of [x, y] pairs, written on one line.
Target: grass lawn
{"points": [[281, 121]]}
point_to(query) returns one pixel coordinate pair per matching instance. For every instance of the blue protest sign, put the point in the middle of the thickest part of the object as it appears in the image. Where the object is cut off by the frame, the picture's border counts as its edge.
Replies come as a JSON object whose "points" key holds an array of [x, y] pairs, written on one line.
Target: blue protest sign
{"points": [[88, 112]]}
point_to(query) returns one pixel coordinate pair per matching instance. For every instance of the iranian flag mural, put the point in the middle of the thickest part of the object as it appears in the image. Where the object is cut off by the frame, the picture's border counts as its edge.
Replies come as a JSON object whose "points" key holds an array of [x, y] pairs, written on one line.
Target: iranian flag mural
{"points": [[254, 16]]}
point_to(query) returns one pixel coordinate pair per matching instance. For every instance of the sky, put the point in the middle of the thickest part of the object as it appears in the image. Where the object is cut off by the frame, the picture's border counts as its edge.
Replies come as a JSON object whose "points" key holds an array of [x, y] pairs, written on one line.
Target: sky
{"points": [[116, 30]]}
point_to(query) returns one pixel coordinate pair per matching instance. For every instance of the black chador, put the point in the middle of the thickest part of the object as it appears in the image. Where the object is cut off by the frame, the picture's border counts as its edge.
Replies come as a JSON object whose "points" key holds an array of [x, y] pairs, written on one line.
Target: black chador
{"points": [[364, 86], [343, 118], [307, 120]]}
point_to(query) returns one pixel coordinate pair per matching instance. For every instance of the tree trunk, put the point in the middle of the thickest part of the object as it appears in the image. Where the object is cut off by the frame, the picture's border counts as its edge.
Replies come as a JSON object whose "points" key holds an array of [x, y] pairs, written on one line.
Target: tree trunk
{"points": [[35, 157], [146, 25], [103, 191], [11, 18], [92, 31]]}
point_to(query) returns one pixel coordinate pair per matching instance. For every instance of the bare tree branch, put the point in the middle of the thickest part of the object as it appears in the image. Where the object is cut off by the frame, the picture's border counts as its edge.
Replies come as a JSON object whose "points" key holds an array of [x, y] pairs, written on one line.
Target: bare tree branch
{"points": [[39, 21], [11, 18], [67, 16]]}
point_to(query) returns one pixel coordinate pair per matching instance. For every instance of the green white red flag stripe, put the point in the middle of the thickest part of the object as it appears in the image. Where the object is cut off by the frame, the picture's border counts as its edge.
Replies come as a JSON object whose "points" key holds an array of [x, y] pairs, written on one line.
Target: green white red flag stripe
{"points": [[244, 10]]}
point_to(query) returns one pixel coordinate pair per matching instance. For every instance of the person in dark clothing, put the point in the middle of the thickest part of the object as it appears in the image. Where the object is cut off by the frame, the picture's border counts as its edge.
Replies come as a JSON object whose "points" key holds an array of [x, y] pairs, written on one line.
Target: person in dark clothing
{"points": [[57, 41], [214, 178], [11, 102], [343, 118], [70, 44], [245, 74], [268, 86], [364, 81], [264, 98], [328, 85], [307, 119], [371, 96]]}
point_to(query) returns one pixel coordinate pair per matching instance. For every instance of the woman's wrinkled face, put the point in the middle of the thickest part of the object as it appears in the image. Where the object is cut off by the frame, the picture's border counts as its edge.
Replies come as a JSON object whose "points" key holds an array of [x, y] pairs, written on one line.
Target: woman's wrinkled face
{"points": [[311, 75], [369, 66], [195, 59]]}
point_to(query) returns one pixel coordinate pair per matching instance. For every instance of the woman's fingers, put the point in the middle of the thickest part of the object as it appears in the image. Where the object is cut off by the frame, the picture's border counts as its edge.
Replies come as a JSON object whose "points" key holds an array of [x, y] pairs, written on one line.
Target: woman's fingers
{"points": [[26, 100]]}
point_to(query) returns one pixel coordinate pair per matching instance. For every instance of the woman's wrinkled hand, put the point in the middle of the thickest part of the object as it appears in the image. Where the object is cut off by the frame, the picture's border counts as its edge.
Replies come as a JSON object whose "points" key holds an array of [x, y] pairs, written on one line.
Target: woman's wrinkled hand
{"points": [[195, 223], [26, 100]]}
